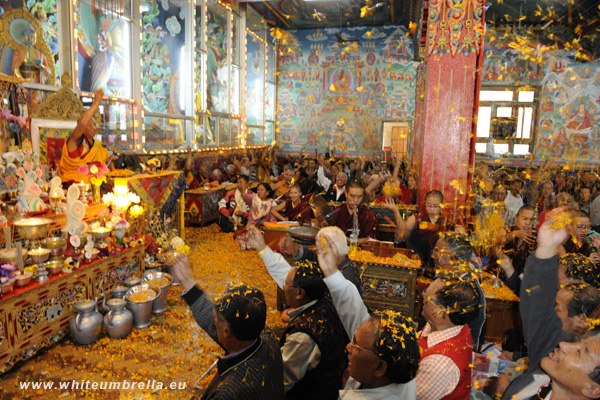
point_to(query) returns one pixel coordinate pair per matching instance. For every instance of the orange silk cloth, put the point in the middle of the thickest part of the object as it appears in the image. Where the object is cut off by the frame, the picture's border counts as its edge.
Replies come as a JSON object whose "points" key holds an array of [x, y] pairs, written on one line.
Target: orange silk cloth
{"points": [[68, 165]]}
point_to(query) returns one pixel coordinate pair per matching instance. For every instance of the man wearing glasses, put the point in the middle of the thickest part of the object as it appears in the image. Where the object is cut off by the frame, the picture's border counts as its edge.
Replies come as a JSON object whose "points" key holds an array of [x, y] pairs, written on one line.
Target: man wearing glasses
{"points": [[444, 370]]}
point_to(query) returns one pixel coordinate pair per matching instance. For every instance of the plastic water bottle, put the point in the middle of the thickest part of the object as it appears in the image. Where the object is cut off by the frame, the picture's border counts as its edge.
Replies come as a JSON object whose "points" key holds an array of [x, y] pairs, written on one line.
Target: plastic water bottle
{"points": [[354, 235]]}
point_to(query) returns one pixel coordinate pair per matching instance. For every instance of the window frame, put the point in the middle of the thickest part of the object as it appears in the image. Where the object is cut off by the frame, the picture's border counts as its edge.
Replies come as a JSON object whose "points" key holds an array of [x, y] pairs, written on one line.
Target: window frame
{"points": [[511, 140]]}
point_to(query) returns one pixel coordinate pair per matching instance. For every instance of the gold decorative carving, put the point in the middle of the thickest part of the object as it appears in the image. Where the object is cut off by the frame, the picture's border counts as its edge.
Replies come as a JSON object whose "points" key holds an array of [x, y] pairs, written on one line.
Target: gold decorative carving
{"points": [[62, 105], [16, 33]]}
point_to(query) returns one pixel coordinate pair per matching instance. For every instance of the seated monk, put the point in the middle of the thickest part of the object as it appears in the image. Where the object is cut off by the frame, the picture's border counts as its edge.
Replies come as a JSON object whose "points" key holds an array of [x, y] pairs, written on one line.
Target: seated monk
{"points": [[80, 148]]}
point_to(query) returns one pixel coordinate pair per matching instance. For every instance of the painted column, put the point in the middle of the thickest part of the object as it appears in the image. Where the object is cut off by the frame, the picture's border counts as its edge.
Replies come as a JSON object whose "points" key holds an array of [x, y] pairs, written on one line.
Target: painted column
{"points": [[445, 101]]}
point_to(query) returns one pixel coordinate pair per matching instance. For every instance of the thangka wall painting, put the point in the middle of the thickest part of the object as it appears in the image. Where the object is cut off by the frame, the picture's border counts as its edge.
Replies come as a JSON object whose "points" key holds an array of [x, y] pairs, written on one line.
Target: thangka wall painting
{"points": [[568, 126], [163, 35], [46, 14], [103, 51], [336, 87]]}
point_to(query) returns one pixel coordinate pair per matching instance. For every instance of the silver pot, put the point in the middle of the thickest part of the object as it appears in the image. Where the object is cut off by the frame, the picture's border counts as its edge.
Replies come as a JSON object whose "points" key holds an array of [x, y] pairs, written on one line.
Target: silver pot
{"points": [[141, 310], [163, 281], [119, 320], [86, 322]]}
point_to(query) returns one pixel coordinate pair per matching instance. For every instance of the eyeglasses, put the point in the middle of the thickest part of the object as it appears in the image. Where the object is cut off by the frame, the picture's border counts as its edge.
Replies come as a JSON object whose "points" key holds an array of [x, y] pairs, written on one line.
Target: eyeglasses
{"points": [[357, 347], [587, 227]]}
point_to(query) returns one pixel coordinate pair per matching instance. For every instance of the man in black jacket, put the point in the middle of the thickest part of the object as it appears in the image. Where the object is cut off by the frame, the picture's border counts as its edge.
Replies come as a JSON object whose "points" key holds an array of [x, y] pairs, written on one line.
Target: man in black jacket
{"points": [[252, 366], [313, 344]]}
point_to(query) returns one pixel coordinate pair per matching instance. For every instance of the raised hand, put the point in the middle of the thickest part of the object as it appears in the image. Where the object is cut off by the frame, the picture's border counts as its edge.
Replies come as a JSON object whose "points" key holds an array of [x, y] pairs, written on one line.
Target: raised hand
{"points": [[98, 95], [181, 269], [552, 232], [327, 255], [256, 239]]}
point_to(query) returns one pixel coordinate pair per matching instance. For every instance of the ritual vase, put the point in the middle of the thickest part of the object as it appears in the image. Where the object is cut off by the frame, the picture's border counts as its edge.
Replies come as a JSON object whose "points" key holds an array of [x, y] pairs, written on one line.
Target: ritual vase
{"points": [[119, 233], [96, 197], [86, 322], [119, 320]]}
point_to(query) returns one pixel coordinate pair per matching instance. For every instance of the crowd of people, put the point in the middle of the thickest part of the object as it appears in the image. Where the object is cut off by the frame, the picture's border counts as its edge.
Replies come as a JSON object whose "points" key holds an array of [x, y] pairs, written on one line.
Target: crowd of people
{"points": [[334, 347]]}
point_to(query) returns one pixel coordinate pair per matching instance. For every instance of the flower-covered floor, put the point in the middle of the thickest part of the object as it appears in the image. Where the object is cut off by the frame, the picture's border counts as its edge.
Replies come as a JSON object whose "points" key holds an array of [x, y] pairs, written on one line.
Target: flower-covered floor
{"points": [[172, 349]]}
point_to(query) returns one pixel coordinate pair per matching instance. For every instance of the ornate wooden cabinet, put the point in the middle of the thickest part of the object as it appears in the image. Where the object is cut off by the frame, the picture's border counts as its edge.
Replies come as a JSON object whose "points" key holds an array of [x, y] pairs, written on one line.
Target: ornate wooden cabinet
{"points": [[37, 316]]}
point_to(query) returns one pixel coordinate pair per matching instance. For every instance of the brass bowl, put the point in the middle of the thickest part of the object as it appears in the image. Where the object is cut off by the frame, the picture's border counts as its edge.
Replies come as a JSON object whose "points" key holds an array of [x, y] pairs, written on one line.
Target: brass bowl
{"points": [[33, 228], [10, 255], [40, 255], [54, 267], [54, 243], [23, 279], [100, 233]]}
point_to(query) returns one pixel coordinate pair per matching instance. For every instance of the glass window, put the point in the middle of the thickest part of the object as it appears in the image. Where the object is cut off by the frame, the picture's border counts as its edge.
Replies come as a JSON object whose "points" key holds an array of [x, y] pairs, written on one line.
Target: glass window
{"points": [[526, 96], [255, 80], [254, 136], [47, 14], [504, 123], [496, 95], [217, 62], [163, 133], [223, 132], [163, 58], [103, 50]]}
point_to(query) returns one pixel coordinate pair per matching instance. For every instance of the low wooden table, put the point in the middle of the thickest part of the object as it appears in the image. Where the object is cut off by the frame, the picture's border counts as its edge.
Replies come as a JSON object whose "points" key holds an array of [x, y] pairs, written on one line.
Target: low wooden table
{"points": [[36, 316]]}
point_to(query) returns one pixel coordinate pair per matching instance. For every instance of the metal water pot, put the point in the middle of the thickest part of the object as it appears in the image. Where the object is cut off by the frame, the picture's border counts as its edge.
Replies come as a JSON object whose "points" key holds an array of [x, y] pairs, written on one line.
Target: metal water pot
{"points": [[85, 323], [119, 320]]}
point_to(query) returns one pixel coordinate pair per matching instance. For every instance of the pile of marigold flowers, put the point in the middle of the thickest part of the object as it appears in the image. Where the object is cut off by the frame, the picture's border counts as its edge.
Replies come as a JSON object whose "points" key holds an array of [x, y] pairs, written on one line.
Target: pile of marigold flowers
{"points": [[397, 260]]}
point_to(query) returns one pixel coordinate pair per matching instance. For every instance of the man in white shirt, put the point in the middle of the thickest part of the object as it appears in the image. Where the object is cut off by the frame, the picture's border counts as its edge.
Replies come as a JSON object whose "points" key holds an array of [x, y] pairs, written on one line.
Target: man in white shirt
{"points": [[513, 201], [337, 192], [383, 355]]}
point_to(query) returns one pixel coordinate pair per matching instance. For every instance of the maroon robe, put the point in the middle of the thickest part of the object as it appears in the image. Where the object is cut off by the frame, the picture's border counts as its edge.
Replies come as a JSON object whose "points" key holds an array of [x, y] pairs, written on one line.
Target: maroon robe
{"points": [[367, 221]]}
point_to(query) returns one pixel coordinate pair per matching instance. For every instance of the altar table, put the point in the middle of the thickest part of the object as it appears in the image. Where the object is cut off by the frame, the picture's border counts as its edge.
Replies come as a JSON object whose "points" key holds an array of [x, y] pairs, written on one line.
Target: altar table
{"points": [[36, 316]]}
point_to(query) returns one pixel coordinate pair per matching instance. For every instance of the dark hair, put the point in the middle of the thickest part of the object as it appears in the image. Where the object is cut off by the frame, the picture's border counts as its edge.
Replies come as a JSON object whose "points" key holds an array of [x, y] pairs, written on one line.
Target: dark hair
{"points": [[245, 309], [309, 278], [244, 177], [354, 184], [517, 180], [579, 267], [525, 208], [460, 245], [585, 299], [396, 344], [595, 375], [267, 188], [460, 300], [435, 193]]}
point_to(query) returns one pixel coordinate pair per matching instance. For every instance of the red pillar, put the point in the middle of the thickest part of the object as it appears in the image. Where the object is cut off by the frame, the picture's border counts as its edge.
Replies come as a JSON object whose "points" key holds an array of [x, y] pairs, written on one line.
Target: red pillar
{"points": [[445, 102]]}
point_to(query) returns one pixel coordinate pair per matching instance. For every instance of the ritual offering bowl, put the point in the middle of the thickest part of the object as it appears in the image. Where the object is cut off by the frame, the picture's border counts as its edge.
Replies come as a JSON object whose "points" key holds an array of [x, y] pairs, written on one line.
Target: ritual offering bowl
{"points": [[139, 301], [54, 267], [33, 228], [10, 255], [23, 279], [40, 255], [56, 245], [92, 255], [100, 233], [304, 235], [162, 280]]}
